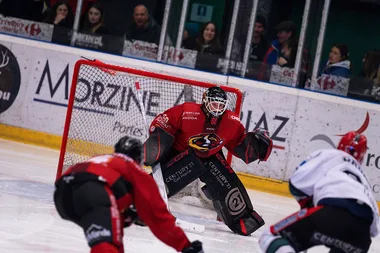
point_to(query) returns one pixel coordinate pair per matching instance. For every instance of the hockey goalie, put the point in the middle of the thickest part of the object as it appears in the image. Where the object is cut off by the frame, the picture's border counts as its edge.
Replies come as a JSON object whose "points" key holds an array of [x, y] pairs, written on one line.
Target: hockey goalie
{"points": [[187, 141]]}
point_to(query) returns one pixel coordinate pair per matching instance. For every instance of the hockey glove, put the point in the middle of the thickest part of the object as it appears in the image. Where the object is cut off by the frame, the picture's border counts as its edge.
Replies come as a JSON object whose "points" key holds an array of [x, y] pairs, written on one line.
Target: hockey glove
{"points": [[303, 199], [306, 202], [263, 145], [255, 145], [195, 247], [131, 217]]}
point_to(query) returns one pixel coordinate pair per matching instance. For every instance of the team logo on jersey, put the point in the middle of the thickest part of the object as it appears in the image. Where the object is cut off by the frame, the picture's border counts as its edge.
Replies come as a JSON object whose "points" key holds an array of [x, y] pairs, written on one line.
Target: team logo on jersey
{"points": [[205, 142]]}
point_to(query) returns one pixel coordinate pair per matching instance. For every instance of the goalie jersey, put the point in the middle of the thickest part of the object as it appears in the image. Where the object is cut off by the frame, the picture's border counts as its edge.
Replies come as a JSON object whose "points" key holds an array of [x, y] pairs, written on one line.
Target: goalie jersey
{"points": [[187, 123], [333, 176]]}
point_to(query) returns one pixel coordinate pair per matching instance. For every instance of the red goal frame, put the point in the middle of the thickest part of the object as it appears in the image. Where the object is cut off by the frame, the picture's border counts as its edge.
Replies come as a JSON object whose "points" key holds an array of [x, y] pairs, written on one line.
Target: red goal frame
{"points": [[114, 68]]}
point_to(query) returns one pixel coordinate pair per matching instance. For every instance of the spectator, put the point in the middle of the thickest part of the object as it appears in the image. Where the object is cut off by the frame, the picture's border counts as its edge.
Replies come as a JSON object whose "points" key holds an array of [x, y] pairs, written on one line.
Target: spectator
{"points": [[338, 63], [368, 82], [187, 41], [334, 76], [259, 44], [207, 41], [288, 54], [143, 27], [61, 15], [93, 20], [371, 68], [286, 31]]}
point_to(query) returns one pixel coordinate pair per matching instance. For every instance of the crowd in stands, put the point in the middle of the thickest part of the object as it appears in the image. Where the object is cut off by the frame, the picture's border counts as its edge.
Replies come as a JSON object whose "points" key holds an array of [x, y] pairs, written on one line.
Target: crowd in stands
{"points": [[281, 51]]}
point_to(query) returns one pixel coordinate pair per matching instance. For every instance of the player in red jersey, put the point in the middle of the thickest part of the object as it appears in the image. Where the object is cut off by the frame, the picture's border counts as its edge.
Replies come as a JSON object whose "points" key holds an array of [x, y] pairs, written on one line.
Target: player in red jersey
{"points": [[102, 195], [187, 141]]}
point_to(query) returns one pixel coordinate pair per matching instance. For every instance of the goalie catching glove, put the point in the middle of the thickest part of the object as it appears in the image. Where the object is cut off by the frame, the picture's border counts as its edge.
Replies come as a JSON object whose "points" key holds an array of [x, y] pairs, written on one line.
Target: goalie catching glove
{"points": [[255, 145]]}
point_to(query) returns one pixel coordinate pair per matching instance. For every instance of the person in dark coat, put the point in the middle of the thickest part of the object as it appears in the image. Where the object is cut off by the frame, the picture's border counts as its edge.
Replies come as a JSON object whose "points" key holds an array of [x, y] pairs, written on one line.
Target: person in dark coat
{"points": [[143, 27]]}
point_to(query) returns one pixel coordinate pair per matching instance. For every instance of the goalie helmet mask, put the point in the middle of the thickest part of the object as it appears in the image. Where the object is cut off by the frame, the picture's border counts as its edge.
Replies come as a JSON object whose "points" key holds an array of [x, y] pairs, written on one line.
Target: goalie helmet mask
{"points": [[130, 147], [354, 144], [214, 102]]}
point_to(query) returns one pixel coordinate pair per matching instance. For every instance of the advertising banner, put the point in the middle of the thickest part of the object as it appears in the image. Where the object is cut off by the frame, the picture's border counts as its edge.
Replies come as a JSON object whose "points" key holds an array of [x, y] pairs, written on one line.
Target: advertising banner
{"points": [[10, 82], [26, 28], [140, 49], [44, 89], [145, 50], [320, 124], [107, 106], [99, 42], [185, 57], [274, 112], [281, 75]]}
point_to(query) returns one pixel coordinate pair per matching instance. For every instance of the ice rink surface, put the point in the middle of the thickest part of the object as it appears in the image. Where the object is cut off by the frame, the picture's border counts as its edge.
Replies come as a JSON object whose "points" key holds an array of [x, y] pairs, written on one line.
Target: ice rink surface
{"points": [[29, 222]]}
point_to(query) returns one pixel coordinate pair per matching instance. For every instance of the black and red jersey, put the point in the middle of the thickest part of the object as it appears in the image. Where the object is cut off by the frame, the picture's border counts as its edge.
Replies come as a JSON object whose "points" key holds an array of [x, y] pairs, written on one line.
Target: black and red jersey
{"points": [[187, 123], [130, 184]]}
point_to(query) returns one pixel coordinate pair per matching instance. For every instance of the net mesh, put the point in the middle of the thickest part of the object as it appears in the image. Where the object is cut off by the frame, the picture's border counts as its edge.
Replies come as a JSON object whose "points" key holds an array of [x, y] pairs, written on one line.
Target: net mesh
{"points": [[106, 107]]}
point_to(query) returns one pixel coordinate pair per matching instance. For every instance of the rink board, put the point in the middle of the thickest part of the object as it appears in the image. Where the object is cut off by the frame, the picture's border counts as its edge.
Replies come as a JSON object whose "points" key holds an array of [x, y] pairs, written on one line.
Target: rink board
{"points": [[299, 121]]}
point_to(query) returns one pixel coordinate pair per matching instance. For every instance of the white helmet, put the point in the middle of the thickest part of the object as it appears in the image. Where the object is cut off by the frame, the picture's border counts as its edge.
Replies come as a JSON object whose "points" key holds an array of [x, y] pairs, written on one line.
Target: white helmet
{"points": [[215, 101]]}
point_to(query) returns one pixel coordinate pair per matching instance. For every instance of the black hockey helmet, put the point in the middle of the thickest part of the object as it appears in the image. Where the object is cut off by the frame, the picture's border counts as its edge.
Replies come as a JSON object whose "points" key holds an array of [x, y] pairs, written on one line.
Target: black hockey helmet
{"points": [[131, 147], [215, 101]]}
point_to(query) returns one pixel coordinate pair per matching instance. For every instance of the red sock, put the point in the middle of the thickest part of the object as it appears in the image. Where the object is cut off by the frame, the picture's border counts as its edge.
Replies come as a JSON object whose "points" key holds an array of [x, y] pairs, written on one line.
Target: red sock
{"points": [[104, 247]]}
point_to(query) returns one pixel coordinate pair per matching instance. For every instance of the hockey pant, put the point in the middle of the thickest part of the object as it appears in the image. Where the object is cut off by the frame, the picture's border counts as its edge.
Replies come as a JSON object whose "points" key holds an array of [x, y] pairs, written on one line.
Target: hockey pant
{"points": [[336, 228], [92, 206], [223, 187]]}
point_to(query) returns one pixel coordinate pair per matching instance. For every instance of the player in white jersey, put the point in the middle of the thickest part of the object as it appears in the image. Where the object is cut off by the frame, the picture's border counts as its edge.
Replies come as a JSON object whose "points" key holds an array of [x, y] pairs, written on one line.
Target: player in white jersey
{"points": [[338, 209]]}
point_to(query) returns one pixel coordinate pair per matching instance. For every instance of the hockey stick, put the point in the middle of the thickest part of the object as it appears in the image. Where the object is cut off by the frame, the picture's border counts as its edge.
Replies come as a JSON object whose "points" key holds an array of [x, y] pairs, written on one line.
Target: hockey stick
{"points": [[156, 170], [158, 177]]}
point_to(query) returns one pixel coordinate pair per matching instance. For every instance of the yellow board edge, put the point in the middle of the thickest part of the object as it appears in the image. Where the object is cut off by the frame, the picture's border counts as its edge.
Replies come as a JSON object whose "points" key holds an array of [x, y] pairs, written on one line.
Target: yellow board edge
{"points": [[27, 136]]}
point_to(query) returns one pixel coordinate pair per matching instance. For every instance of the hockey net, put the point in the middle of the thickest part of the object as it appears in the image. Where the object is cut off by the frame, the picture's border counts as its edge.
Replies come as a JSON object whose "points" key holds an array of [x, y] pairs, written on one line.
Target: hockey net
{"points": [[107, 102]]}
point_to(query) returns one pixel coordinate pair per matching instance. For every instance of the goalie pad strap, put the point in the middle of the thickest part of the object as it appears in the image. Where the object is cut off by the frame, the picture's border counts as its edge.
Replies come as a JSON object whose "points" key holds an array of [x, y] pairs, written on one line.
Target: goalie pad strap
{"points": [[157, 146]]}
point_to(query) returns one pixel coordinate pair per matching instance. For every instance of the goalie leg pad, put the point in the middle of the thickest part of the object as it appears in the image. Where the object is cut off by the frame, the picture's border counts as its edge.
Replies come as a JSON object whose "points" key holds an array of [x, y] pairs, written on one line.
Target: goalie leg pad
{"points": [[230, 199], [181, 171]]}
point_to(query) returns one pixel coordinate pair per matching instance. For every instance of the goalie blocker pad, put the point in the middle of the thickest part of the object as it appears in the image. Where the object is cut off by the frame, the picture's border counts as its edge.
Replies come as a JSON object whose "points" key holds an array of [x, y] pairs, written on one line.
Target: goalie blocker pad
{"points": [[181, 170], [256, 145], [229, 197], [157, 146]]}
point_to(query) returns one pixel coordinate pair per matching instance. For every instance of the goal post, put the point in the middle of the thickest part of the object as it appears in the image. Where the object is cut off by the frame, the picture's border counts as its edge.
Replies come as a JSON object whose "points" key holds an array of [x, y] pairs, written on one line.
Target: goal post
{"points": [[104, 105]]}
